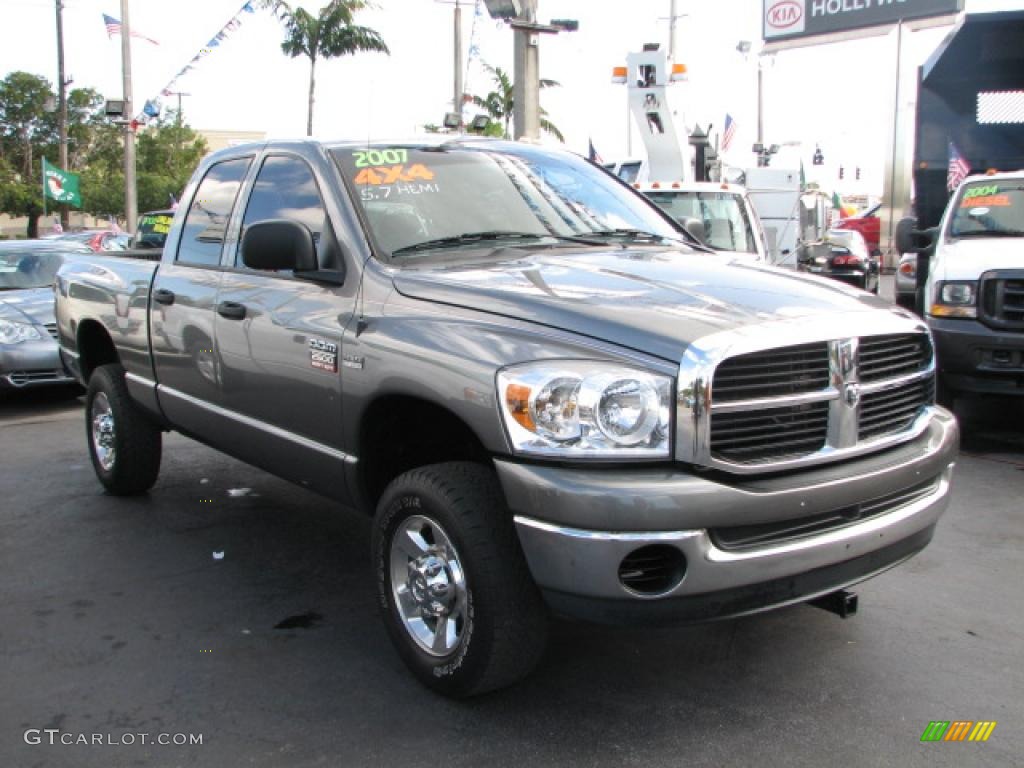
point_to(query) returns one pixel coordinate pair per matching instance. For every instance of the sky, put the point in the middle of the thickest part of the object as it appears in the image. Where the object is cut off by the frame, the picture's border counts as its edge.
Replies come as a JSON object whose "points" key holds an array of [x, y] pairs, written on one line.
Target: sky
{"points": [[836, 96]]}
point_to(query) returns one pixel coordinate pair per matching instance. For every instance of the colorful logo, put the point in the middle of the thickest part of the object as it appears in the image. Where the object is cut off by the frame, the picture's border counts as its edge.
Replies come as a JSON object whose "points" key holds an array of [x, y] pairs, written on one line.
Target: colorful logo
{"points": [[958, 730]]}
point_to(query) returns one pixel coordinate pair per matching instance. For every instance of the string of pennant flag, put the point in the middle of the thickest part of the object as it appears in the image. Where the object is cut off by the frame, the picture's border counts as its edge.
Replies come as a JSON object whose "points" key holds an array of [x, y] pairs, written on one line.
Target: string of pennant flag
{"points": [[152, 107]]}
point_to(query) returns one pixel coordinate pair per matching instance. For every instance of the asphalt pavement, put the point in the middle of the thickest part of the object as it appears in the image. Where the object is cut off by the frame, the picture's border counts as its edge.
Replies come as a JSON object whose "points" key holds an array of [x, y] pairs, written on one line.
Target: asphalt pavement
{"points": [[234, 606]]}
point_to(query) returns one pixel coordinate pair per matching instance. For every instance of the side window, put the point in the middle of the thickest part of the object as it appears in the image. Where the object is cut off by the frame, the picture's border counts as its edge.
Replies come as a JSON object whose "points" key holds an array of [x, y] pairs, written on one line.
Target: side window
{"points": [[203, 233], [285, 189]]}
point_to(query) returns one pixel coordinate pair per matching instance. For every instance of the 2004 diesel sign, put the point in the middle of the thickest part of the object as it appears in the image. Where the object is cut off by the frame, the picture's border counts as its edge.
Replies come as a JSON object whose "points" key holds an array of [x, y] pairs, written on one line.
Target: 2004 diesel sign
{"points": [[790, 19]]}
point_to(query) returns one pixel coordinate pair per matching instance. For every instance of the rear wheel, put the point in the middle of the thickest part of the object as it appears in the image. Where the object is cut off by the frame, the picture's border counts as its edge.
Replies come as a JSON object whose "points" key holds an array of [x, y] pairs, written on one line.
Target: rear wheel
{"points": [[454, 589], [124, 444]]}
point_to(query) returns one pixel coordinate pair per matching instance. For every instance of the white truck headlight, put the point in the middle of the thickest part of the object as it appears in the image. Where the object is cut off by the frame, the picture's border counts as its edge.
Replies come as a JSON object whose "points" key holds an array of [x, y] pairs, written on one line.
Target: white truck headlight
{"points": [[955, 299], [15, 333], [578, 409]]}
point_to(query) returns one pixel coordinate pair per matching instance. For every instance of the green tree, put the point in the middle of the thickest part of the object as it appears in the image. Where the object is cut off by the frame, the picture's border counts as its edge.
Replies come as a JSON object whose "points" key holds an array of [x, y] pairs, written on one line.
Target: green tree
{"points": [[27, 133], [499, 105], [329, 34]]}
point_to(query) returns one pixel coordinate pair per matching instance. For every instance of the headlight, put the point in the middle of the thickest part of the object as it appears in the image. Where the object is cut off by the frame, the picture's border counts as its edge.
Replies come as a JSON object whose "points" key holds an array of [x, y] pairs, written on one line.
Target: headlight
{"points": [[576, 409], [15, 333], [955, 299]]}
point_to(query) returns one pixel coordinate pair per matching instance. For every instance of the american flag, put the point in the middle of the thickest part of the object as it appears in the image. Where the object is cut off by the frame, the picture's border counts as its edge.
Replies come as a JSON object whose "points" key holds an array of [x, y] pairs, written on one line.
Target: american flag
{"points": [[958, 168], [114, 28], [730, 131]]}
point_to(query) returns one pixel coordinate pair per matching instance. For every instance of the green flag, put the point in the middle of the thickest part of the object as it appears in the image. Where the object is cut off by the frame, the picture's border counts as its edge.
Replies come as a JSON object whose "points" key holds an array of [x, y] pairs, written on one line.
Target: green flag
{"points": [[60, 185], [837, 203]]}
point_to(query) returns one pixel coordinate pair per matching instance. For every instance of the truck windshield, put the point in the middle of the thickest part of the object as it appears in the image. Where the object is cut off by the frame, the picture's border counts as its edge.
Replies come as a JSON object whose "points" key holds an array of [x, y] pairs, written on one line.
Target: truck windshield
{"points": [[417, 198], [989, 209], [723, 215]]}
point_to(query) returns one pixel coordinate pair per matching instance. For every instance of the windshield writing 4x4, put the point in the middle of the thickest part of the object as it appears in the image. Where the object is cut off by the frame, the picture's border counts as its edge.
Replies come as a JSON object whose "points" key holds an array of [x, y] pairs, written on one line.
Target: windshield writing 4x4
{"points": [[419, 198], [989, 209]]}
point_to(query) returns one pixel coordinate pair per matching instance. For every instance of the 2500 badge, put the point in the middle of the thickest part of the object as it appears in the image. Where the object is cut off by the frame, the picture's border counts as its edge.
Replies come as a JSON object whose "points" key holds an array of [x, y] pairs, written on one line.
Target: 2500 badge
{"points": [[323, 355]]}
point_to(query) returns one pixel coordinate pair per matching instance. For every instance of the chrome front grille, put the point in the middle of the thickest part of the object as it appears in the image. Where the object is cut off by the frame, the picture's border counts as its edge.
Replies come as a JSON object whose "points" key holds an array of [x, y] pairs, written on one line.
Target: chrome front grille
{"points": [[1002, 299], [747, 404], [886, 357], [775, 433], [894, 410], [773, 372]]}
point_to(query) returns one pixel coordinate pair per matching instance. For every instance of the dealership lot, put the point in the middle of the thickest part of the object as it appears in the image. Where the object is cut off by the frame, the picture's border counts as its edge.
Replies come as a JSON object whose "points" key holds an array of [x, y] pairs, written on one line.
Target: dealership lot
{"points": [[120, 616]]}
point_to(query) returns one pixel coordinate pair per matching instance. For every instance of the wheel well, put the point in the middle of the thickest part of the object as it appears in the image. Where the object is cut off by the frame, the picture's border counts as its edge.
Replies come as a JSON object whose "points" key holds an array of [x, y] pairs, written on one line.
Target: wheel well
{"points": [[95, 348], [399, 433]]}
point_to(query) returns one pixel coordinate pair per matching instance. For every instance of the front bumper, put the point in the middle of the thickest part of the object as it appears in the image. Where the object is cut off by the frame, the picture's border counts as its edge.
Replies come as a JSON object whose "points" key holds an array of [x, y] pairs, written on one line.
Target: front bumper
{"points": [[576, 564], [31, 364], [972, 357]]}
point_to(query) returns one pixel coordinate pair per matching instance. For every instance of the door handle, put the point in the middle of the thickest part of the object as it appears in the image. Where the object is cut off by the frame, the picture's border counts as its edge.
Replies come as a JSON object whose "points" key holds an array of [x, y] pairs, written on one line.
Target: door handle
{"points": [[231, 310], [163, 296]]}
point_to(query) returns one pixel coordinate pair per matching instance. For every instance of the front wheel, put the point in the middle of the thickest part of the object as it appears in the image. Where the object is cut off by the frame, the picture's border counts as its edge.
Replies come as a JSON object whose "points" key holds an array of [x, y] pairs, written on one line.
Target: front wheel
{"points": [[124, 444], [454, 588]]}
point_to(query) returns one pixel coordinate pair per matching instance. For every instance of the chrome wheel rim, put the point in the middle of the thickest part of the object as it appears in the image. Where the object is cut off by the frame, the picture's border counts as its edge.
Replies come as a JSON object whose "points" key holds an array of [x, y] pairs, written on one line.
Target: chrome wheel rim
{"points": [[428, 585], [102, 419]]}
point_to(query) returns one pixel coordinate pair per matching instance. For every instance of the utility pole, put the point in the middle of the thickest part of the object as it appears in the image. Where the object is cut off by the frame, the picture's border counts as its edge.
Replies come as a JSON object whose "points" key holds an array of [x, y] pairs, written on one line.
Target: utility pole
{"points": [[457, 100], [526, 87], [62, 107], [131, 203]]}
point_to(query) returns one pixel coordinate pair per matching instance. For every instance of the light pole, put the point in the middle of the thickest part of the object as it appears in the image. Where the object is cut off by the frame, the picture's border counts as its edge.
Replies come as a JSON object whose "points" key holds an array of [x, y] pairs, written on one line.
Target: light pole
{"points": [[62, 107], [458, 95], [131, 204]]}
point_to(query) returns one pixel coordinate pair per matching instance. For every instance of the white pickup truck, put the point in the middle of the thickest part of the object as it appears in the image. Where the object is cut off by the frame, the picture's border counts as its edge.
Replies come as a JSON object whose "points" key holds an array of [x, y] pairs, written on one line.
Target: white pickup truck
{"points": [[974, 296]]}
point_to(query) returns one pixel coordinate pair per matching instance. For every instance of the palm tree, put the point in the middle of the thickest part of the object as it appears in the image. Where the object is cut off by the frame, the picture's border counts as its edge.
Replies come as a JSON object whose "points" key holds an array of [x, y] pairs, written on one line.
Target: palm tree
{"points": [[329, 34], [499, 105]]}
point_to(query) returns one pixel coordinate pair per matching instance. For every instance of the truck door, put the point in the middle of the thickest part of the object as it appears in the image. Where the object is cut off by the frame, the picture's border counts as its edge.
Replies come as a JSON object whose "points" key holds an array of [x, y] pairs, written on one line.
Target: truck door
{"points": [[279, 338], [183, 300]]}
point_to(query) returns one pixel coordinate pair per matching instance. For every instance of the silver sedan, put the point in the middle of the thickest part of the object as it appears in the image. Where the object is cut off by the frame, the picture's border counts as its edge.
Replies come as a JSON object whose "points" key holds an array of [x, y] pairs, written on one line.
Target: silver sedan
{"points": [[28, 329]]}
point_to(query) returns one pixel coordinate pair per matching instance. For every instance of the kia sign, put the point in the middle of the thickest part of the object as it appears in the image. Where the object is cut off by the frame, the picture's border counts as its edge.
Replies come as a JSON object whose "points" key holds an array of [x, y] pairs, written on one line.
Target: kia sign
{"points": [[790, 19]]}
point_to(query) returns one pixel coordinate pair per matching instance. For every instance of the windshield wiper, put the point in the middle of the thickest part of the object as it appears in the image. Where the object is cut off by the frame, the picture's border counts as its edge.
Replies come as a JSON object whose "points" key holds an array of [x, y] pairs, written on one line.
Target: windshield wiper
{"points": [[470, 238], [641, 234]]}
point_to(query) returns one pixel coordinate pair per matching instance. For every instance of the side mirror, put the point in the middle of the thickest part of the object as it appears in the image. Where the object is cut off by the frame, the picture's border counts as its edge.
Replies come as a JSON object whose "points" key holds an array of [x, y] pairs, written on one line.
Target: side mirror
{"points": [[911, 240], [277, 244], [695, 227]]}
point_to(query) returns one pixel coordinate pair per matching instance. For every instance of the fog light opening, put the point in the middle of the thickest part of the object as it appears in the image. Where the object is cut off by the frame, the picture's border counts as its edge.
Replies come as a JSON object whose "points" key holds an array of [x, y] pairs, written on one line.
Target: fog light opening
{"points": [[652, 570]]}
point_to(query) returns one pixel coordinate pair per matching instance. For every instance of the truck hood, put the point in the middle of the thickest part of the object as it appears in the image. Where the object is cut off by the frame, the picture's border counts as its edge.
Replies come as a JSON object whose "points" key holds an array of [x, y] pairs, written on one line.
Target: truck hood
{"points": [[27, 305], [966, 259], [652, 300]]}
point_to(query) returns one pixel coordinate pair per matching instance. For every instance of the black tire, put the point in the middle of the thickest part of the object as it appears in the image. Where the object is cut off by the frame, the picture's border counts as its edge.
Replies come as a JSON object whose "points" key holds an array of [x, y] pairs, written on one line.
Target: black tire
{"points": [[135, 462], [504, 622]]}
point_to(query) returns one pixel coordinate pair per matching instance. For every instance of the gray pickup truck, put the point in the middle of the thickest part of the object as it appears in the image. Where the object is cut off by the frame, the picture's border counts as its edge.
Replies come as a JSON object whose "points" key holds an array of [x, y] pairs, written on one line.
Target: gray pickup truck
{"points": [[548, 400]]}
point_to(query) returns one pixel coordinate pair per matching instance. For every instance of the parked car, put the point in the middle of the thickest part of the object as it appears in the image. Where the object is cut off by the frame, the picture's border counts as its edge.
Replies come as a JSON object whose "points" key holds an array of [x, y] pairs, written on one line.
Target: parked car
{"points": [[906, 280], [152, 228], [97, 240], [974, 296], [547, 400], [869, 226], [28, 330], [842, 256]]}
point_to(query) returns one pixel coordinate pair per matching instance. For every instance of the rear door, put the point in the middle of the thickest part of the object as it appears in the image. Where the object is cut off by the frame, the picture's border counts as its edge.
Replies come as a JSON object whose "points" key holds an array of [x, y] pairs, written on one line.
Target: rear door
{"points": [[279, 338], [184, 298]]}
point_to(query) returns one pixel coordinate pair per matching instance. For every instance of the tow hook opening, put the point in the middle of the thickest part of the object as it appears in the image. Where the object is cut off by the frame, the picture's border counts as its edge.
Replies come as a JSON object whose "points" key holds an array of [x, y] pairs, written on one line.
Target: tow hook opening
{"points": [[842, 603]]}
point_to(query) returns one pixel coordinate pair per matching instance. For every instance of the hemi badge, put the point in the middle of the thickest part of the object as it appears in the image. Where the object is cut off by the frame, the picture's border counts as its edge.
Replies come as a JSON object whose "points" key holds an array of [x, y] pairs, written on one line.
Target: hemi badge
{"points": [[351, 361]]}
